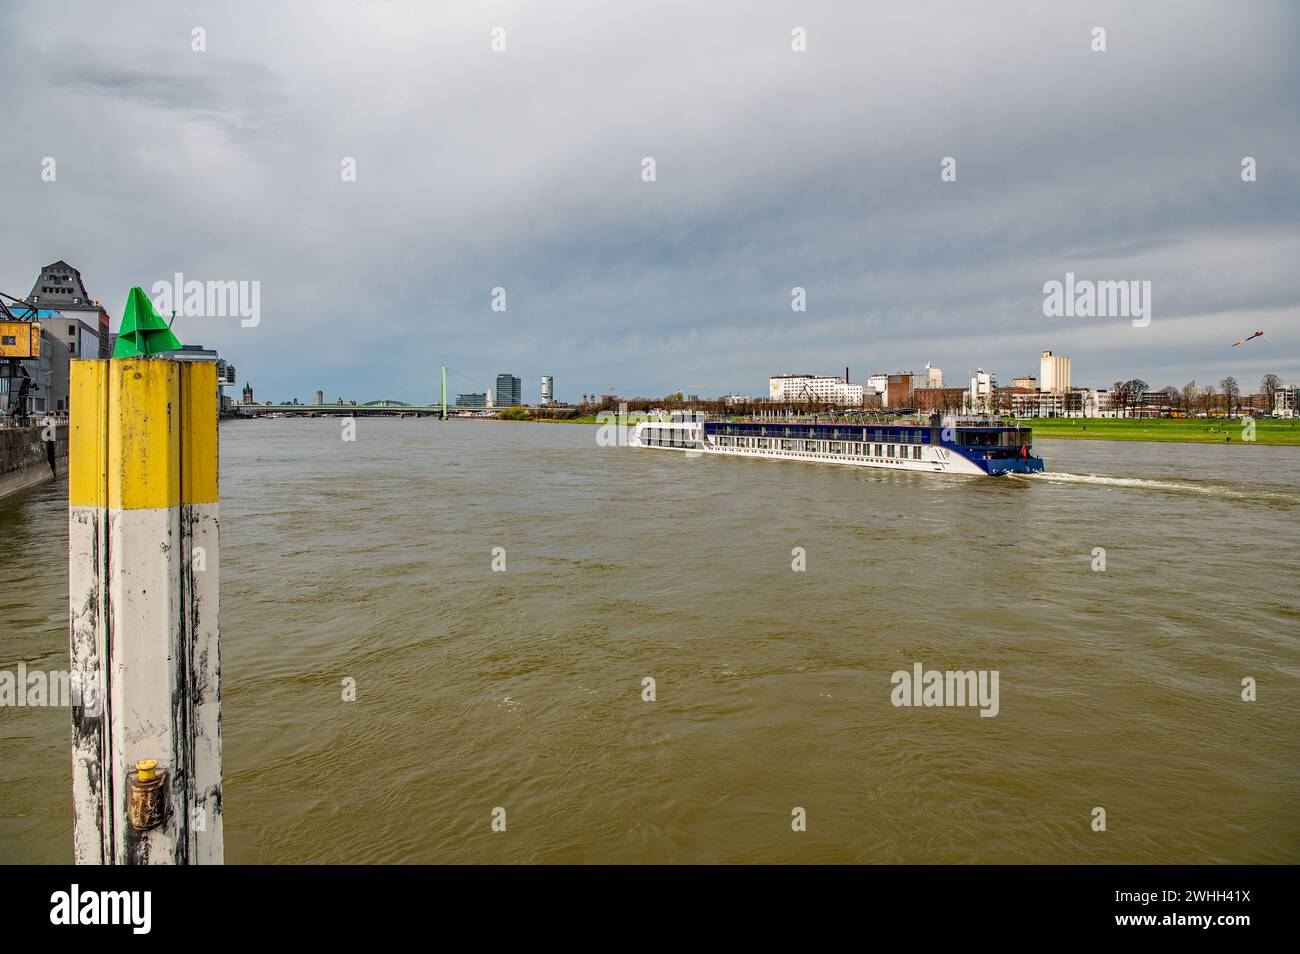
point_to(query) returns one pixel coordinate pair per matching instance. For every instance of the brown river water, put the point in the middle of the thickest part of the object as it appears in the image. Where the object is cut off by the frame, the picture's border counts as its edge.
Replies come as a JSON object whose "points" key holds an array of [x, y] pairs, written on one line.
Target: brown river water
{"points": [[476, 689]]}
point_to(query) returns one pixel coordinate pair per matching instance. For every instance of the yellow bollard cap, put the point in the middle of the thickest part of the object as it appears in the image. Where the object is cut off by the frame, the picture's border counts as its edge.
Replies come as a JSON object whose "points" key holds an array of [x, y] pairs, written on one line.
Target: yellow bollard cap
{"points": [[146, 769]]}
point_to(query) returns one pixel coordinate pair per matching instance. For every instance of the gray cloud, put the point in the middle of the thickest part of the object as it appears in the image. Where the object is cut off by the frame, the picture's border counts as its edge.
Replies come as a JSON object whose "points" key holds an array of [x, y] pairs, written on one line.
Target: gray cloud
{"points": [[775, 169]]}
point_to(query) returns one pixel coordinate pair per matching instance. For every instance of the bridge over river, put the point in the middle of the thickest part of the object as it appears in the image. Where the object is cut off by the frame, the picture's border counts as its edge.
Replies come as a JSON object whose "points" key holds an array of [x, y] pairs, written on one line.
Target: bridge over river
{"points": [[371, 409]]}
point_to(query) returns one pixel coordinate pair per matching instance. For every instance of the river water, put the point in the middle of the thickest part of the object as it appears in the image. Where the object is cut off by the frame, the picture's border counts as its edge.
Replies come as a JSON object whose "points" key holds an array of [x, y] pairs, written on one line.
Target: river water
{"points": [[522, 689]]}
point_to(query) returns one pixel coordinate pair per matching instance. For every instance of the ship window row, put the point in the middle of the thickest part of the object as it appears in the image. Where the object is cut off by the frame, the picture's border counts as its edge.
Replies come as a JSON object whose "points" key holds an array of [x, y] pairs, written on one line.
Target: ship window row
{"points": [[898, 435], [668, 437], [833, 448]]}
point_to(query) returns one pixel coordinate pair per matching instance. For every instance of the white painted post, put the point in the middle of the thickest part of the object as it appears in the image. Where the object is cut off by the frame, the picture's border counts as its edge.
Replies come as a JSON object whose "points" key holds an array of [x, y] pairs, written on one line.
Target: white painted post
{"points": [[143, 599]]}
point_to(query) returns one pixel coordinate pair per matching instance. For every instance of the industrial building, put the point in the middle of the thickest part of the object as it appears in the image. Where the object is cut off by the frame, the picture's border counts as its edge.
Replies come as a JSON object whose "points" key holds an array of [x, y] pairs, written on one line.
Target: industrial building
{"points": [[1054, 373], [59, 288], [898, 389], [979, 399], [815, 388]]}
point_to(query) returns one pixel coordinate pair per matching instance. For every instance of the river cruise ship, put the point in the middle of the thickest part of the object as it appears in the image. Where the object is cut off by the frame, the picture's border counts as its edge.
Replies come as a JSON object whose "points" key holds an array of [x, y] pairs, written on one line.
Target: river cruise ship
{"points": [[974, 449]]}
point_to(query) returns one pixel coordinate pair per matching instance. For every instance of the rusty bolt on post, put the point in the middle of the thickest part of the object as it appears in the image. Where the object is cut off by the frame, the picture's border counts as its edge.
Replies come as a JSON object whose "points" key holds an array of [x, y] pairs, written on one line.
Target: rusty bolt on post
{"points": [[144, 807]]}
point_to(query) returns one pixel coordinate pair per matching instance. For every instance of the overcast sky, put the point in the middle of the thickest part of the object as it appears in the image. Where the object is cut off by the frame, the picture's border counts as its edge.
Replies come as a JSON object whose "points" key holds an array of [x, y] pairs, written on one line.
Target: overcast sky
{"points": [[522, 169]]}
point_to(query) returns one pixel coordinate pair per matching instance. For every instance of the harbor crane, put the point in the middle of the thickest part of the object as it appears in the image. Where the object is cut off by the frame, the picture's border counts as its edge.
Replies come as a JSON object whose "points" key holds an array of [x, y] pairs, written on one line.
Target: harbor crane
{"points": [[20, 345]]}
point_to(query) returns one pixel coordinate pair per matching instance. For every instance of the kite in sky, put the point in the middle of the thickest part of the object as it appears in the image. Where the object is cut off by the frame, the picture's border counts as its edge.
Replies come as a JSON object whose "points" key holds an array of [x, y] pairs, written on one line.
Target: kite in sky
{"points": [[1244, 340]]}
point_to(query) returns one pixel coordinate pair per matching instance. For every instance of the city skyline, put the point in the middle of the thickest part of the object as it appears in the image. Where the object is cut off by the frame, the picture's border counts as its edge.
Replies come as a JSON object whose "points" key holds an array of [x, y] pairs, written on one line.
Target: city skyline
{"points": [[775, 170], [949, 379]]}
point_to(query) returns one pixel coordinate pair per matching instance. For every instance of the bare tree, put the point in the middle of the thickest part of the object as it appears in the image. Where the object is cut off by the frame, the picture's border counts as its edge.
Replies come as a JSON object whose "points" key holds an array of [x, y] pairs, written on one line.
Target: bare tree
{"points": [[1230, 391], [1134, 389], [1207, 397], [1189, 397], [1118, 397], [1268, 386]]}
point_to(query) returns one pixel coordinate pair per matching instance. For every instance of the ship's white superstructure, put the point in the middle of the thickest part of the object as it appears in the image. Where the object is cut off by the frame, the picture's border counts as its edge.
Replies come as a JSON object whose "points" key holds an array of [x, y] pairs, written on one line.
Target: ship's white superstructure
{"points": [[972, 450]]}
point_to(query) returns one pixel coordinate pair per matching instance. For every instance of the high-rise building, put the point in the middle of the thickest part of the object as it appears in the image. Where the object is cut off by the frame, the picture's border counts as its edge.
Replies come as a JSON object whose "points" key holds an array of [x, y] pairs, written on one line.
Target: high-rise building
{"points": [[509, 391], [980, 397], [548, 389], [1054, 373], [320, 397], [59, 287]]}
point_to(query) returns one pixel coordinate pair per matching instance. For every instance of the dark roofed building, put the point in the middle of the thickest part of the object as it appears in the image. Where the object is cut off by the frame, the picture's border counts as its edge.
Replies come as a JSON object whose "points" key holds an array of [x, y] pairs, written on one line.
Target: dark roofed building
{"points": [[59, 287]]}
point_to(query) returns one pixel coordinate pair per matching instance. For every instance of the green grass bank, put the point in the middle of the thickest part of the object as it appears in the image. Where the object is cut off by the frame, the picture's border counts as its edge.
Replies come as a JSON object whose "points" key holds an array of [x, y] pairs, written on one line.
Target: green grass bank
{"points": [[1183, 430]]}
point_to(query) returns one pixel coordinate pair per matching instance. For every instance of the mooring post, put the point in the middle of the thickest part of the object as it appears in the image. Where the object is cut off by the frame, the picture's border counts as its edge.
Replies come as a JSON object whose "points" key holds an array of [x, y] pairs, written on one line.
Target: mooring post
{"points": [[143, 568]]}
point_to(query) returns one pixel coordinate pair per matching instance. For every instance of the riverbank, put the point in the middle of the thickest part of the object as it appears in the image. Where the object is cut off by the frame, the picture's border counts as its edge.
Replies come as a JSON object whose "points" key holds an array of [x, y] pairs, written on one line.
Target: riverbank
{"points": [[1179, 430], [27, 459]]}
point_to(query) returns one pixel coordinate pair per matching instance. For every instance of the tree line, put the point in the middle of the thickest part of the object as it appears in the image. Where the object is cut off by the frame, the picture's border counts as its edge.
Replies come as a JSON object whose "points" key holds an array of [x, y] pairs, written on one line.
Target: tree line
{"points": [[1192, 398], [1125, 396]]}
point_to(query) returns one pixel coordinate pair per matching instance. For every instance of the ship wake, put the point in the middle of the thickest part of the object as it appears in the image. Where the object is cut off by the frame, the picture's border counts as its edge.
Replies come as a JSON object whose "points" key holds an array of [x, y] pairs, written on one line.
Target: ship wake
{"points": [[1203, 488]]}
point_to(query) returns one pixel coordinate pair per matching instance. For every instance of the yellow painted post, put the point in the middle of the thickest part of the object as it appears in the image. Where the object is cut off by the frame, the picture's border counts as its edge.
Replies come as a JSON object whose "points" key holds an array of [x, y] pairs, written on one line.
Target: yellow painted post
{"points": [[143, 600]]}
